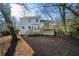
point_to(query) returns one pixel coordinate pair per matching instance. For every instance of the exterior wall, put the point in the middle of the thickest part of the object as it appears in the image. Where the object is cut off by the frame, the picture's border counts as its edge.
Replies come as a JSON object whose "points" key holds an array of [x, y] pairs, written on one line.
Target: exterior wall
{"points": [[35, 27], [48, 28]]}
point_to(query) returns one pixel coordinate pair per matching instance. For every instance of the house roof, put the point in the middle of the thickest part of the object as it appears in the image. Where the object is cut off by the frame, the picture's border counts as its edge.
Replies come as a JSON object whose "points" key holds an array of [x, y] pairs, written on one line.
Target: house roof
{"points": [[30, 17], [45, 21], [35, 17]]}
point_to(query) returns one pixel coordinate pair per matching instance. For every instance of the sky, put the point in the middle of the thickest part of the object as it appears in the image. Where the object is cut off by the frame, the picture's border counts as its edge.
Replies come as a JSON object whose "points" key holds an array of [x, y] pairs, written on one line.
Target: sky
{"points": [[33, 9], [18, 11]]}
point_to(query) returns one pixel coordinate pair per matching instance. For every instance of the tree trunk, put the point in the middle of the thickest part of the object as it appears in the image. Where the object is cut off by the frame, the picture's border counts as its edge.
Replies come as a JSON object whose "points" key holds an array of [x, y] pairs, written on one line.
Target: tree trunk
{"points": [[64, 20], [7, 17], [62, 13]]}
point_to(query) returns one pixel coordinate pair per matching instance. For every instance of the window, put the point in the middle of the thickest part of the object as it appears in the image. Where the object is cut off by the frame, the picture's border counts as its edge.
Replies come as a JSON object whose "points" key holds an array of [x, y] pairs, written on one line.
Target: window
{"points": [[35, 28], [38, 27], [22, 27], [32, 27], [29, 27], [46, 25]]}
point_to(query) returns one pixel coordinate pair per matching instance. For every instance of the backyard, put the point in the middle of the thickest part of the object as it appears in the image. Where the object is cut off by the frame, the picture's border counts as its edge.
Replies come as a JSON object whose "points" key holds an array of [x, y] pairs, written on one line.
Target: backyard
{"points": [[44, 29], [53, 46]]}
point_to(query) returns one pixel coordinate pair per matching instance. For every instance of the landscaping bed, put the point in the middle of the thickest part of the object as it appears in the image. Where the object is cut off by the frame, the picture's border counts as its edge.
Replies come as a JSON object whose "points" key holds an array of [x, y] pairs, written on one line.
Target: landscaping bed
{"points": [[22, 48]]}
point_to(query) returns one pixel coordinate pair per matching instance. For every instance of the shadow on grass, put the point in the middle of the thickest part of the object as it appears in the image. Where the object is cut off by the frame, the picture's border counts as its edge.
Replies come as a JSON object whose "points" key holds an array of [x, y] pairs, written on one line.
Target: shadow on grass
{"points": [[12, 48]]}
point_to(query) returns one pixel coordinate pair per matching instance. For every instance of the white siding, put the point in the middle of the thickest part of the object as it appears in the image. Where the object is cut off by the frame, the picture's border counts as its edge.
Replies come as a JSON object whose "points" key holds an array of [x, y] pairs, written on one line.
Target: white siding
{"points": [[24, 22], [33, 24]]}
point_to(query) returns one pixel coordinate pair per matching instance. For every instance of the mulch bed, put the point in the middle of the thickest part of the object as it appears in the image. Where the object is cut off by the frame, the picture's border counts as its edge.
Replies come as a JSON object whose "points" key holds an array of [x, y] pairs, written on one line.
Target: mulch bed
{"points": [[22, 48]]}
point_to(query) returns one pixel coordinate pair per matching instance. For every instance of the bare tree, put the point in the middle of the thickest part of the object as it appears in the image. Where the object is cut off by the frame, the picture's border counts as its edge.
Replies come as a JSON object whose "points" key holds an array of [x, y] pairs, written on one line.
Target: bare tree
{"points": [[70, 9], [6, 14], [5, 9], [62, 14]]}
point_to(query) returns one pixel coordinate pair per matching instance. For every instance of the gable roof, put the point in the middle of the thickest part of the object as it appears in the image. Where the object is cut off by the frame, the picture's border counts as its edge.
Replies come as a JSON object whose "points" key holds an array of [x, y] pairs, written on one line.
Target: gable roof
{"points": [[30, 17]]}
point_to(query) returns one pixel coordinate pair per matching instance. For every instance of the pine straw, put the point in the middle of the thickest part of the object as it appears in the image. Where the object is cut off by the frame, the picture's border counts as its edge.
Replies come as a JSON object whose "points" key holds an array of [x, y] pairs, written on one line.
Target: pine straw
{"points": [[22, 49]]}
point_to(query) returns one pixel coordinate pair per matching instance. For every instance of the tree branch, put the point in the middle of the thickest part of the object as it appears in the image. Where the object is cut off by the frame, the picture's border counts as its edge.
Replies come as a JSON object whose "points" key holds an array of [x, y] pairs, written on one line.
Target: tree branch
{"points": [[73, 11]]}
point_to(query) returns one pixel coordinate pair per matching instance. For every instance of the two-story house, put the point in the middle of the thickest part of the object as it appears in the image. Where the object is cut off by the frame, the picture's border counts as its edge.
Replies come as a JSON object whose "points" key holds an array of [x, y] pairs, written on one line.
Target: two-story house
{"points": [[33, 25]]}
